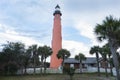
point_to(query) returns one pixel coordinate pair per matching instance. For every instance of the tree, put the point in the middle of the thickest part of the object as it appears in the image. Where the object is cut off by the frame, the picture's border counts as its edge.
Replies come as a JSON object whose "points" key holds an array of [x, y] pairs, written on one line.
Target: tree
{"points": [[47, 53], [108, 53], [1, 63], [11, 68], [104, 52], [11, 53], [80, 57], [111, 65], [41, 54], [109, 30], [33, 50], [63, 54], [44, 52], [26, 59], [118, 54], [96, 50]]}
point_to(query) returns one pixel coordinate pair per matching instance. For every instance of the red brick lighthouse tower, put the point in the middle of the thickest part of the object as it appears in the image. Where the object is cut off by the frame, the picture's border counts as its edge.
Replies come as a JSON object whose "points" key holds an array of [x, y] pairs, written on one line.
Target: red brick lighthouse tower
{"points": [[56, 39]]}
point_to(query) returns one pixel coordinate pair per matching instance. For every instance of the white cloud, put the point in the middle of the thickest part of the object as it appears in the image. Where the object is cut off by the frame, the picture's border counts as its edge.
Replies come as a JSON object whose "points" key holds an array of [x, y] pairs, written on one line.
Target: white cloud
{"points": [[76, 47], [8, 34], [87, 30]]}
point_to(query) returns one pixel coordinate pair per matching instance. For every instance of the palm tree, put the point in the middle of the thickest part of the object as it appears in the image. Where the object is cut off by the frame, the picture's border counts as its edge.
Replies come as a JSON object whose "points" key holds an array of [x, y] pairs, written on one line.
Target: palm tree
{"points": [[26, 59], [80, 57], [41, 54], [109, 30], [104, 52], [48, 52], [63, 54], [44, 52], [96, 50], [34, 53], [118, 54], [108, 52], [111, 65]]}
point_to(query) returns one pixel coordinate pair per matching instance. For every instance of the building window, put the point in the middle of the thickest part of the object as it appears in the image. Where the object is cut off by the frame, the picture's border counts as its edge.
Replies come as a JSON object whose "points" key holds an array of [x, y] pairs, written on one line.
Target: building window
{"points": [[72, 65]]}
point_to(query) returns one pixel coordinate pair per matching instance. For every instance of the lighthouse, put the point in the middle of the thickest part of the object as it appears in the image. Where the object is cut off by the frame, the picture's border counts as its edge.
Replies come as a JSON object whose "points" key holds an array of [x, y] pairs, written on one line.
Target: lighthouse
{"points": [[56, 39]]}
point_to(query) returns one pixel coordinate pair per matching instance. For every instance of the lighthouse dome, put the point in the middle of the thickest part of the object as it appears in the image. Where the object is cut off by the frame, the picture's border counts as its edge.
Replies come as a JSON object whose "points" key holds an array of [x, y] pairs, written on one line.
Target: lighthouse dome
{"points": [[57, 10]]}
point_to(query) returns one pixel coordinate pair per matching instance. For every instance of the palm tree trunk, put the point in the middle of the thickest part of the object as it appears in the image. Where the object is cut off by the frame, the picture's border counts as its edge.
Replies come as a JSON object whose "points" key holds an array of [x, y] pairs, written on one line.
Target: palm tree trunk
{"points": [[80, 66], [45, 66], [34, 66], [63, 65], [22, 71], [115, 59], [106, 69], [41, 66], [34, 58], [111, 72], [25, 70], [97, 57]]}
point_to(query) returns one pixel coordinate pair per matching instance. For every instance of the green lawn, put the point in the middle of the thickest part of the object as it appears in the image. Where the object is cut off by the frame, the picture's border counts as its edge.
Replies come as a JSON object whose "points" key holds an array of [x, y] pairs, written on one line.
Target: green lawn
{"points": [[57, 77]]}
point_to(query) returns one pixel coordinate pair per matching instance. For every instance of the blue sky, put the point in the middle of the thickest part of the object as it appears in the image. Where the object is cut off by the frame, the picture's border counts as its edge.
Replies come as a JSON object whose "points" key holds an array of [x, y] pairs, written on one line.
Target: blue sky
{"points": [[31, 21]]}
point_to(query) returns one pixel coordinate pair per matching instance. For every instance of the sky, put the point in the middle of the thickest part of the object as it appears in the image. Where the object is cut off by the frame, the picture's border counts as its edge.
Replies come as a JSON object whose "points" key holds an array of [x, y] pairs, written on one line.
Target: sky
{"points": [[31, 22]]}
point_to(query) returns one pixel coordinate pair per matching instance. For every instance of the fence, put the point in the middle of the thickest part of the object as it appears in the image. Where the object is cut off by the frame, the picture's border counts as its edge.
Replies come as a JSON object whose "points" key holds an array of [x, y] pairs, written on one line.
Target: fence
{"points": [[49, 70]]}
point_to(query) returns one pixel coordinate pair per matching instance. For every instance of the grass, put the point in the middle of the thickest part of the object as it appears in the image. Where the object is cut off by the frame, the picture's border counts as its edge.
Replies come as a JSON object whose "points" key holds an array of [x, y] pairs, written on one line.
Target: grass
{"points": [[57, 77]]}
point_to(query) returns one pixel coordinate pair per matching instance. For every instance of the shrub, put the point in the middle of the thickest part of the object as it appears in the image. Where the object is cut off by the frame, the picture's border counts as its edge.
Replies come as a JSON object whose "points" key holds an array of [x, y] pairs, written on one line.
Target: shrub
{"points": [[70, 71]]}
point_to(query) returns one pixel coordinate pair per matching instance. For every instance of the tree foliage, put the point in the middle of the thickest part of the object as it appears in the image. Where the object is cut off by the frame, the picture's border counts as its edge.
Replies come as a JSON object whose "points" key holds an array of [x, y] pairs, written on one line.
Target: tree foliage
{"points": [[63, 54], [11, 57], [44, 52], [96, 50], [109, 30], [14, 56], [80, 57]]}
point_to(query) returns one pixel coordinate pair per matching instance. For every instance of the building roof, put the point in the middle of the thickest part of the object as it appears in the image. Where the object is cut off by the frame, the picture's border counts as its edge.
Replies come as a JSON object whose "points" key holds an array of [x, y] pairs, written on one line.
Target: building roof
{"points": [[88, 60]]}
